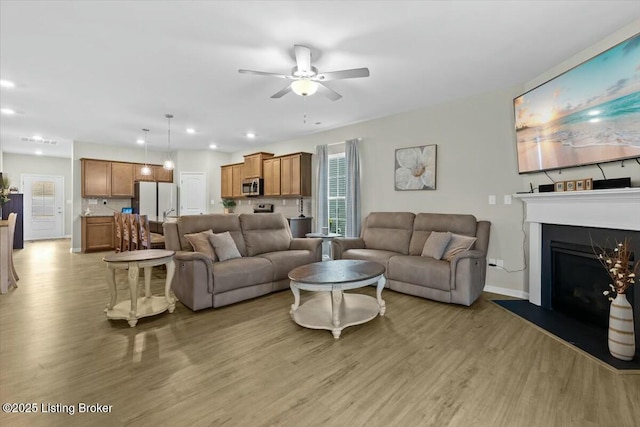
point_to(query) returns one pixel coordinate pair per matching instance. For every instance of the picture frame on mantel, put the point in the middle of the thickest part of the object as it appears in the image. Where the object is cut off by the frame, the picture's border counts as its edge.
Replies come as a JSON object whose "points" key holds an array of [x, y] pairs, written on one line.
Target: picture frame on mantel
{"points": [[415, 168]]}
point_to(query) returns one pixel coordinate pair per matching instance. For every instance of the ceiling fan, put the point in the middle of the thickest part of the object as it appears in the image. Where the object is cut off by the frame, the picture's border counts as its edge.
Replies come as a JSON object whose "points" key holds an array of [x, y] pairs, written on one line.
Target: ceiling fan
{"points": [[306, 79]]}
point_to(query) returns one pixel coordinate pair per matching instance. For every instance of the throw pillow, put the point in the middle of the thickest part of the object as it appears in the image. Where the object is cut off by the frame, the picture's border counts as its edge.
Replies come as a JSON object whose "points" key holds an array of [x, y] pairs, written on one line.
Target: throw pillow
{"points": [[458, 244], [200, 243], [436, 244], [224, 246]]}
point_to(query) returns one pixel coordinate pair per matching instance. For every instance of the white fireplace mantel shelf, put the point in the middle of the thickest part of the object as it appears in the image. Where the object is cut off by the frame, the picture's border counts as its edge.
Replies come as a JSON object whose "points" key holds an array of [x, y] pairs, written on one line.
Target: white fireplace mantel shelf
{"points": [[615, 208]]}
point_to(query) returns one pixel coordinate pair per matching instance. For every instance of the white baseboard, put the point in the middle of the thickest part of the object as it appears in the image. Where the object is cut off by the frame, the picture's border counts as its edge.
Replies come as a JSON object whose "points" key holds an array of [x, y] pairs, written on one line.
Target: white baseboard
{"points": [[506, 291], [75, 250]]}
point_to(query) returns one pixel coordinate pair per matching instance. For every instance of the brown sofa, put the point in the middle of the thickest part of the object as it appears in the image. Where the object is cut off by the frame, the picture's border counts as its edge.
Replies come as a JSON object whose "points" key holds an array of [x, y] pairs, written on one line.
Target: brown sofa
{"points": [[268, 253], [397, 239]]}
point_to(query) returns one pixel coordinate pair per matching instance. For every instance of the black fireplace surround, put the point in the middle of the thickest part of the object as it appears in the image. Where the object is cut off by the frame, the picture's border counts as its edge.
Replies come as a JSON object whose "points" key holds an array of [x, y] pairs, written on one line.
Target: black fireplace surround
{"points": [[573, 280]]}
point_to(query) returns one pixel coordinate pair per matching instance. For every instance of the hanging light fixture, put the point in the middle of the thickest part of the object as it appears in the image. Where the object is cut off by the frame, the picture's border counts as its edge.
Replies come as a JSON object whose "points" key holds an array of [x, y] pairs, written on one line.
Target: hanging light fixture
{"points": [[168, 164], [146, 170]]}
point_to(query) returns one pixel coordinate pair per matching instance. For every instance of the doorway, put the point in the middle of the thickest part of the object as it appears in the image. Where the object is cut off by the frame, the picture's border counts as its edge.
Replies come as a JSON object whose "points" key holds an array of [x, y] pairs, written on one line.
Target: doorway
{"points": [[193, 199], [43, 206]]}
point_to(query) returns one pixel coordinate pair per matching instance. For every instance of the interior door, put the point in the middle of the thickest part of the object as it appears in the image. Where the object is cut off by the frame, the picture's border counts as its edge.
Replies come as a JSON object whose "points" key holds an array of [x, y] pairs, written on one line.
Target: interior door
{"points": [[43, 206], [192, 193]]}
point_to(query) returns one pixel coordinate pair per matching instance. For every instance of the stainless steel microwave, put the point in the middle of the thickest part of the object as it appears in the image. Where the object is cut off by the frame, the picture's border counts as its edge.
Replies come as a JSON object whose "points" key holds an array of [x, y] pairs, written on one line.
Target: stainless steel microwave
{"points": [[252, 187]]}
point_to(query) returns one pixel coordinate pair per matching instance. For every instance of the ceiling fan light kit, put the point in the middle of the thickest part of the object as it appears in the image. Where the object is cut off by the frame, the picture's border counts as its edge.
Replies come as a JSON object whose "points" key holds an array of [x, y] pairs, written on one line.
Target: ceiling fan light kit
{"points": [[306, 78], [304, 87]]}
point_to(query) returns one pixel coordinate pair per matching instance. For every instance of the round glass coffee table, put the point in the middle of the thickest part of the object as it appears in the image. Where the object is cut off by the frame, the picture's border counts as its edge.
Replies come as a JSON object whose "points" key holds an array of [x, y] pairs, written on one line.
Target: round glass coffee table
{"points": [[331, 308]]}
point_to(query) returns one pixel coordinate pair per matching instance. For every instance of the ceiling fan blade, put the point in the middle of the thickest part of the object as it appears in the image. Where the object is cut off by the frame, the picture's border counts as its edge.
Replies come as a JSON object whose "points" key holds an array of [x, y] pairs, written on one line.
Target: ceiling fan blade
{"points": [[303, 57], [263, 73], [329, 93], [342, 74], [281, 93]]}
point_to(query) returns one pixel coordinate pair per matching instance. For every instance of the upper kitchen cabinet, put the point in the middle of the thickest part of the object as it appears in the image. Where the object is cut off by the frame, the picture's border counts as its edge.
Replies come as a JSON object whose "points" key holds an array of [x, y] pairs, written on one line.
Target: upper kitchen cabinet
{"points": [[96, 178], [161, 174], [102, 178], [253, 164], [138, 176], [271, 169], [295, 175], [236, 179], [121, 180], [226, 179]]}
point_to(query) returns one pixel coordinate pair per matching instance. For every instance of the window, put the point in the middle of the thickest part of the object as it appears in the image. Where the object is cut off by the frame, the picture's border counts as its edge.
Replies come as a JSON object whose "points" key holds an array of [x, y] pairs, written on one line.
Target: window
{"points": [[337, 189]]}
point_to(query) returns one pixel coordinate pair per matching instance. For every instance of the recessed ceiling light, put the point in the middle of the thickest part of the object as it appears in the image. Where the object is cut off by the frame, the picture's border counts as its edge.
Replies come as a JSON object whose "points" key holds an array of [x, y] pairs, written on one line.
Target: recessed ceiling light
{"points": [[212, 146], [250, 135], [7, 111], [191, 130], [140, 141], [37, 137], [39, 152], [7, 83]]}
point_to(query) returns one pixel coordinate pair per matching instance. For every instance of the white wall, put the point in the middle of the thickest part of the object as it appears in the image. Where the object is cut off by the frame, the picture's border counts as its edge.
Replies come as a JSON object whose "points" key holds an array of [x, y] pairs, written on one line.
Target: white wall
{"points": [[17, 164]]}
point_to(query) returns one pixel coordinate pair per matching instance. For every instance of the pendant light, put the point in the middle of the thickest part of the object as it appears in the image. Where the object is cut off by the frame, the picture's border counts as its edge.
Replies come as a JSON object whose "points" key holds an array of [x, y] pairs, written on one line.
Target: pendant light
{"points": [[168, 164], [146, 170]]}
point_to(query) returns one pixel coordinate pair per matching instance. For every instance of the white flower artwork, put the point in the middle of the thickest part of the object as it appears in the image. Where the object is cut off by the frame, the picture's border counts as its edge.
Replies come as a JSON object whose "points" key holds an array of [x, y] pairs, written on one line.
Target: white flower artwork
{"points": [[416, 168]]}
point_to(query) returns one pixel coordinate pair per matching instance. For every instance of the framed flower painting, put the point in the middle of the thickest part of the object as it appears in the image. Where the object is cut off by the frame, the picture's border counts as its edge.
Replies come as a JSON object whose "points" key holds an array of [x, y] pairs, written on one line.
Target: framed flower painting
{"points": [[415, 168]]}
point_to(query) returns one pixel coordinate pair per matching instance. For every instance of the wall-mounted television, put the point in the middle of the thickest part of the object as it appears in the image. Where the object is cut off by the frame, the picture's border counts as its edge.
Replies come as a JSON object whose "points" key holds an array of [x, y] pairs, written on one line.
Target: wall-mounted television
{"points": [[589, 114]]}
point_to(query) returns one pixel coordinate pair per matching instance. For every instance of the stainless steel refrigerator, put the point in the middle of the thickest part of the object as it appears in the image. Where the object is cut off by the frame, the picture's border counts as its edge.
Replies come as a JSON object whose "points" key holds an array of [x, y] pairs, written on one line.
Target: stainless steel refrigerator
{"points": [[155, 199]]}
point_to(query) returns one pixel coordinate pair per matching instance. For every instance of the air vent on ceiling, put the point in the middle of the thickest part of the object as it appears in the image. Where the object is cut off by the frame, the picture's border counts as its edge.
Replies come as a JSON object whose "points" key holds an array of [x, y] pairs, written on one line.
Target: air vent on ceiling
{"points": [[39, 140]]}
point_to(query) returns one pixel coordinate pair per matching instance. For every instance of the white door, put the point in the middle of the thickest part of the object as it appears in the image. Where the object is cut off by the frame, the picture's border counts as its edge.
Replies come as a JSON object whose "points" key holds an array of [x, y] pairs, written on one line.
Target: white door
{"points": [[192, 193], [43, 206]]}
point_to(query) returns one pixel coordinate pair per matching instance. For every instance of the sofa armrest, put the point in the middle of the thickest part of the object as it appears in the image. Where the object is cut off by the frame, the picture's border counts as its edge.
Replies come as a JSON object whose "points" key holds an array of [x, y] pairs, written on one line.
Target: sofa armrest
{"points": [[341, 244], [193, 280], [468, 272], [313, 245]]}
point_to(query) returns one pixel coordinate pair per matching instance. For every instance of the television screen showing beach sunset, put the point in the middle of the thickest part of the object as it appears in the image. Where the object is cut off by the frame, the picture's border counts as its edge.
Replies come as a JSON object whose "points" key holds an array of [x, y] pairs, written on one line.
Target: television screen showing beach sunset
{"points": [[589, 114]]}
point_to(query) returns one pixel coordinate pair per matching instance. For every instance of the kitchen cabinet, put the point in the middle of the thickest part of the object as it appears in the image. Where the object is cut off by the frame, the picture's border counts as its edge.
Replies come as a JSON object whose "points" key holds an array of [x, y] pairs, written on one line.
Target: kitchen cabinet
{"points": [[253, 164], [226, 182], [295, 175], [97, 233], [96, 178], [138, 176], [271, 170], [161, 174], [122, 180], [236, 179]]}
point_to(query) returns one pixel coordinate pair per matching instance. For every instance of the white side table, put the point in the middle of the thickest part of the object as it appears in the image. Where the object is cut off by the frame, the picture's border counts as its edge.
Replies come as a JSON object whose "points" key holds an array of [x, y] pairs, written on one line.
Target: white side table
{"points": [[148, 305], [325, 238]]}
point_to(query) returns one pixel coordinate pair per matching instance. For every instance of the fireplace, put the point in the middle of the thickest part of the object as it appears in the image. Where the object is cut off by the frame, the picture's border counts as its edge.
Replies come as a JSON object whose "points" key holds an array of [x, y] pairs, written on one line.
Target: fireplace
{"points": [[571, 220], [573, 279]]}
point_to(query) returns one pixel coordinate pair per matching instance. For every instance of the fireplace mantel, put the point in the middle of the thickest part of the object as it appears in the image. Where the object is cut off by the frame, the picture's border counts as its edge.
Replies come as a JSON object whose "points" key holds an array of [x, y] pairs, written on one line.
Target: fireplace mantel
{"points": [[614, 208]]}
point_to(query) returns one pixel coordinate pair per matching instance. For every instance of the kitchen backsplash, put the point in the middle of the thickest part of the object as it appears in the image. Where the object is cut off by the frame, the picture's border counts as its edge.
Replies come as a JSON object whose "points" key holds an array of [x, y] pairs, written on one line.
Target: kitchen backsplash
{"points": [[100, 209], [290, 209]]}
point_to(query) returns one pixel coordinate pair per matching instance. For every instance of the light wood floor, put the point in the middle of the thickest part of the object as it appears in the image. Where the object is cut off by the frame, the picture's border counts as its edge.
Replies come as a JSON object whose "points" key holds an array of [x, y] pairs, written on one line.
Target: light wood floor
{"points": [[423, 364]]}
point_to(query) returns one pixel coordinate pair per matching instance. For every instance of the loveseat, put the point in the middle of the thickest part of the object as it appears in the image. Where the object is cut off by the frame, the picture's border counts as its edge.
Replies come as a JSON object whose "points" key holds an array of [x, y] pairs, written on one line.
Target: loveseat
{"points": [[436, 256], [266, 253]]}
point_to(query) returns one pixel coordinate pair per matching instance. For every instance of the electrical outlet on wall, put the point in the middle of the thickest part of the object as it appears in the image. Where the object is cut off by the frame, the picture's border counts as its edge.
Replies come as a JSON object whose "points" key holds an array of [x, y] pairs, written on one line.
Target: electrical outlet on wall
{"points": [[492, 199]]}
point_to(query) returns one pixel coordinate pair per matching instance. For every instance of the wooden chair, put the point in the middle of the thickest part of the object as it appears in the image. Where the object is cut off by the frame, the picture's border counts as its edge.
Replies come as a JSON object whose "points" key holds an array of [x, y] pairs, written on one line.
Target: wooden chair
{"points": [[144, 234], [134, 232], [13, 274], [126, 233], [117, 218]]}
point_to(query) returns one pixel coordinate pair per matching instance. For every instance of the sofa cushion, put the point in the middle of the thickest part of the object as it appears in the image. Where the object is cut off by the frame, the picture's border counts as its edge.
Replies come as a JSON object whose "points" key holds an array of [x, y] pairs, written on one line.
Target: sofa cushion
{"points": [[436, 244], [224, 246], [285, 261], [265, 233], [240, 273], [218, 223], [388, 231], [420, 270], [381, 257], [425, 223], [458, 244], [200, 243]]}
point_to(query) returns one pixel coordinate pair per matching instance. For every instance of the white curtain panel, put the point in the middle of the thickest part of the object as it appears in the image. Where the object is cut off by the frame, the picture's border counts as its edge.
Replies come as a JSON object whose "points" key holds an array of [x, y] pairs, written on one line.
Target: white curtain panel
{"points": [[322, 195], [352, 159]]}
